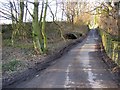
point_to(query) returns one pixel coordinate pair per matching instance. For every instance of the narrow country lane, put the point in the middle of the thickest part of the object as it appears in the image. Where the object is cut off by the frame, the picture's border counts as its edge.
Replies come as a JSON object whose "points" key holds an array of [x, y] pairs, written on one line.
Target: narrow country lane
{"points": [[81, 67]]}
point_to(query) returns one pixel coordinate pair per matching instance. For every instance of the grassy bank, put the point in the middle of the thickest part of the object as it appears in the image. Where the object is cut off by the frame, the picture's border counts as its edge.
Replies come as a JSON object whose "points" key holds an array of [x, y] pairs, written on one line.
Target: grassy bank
{"points": [[111, 46], [21, 56]]}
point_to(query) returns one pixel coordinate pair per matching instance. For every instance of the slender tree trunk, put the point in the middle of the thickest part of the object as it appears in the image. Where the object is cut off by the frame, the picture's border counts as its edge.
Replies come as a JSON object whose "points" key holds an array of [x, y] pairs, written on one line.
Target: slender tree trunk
{"points": [[21, 11], [43, 28], [56, 10], [21, 16], [62, 10], [40, 21], [119, 30], [118, 24], [26, 10], [13, 24], [117, 7], [118, 36], [40, 25], [72, 22]]}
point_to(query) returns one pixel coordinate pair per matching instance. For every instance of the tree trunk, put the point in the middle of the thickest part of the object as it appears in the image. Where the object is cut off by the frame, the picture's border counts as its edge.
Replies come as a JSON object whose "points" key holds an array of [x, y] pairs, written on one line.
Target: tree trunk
{"points": [[40, 25], [13, 24], [118, 37], [36, 31], [20, 23], [117, 7], [21, 11], [43, 28]]}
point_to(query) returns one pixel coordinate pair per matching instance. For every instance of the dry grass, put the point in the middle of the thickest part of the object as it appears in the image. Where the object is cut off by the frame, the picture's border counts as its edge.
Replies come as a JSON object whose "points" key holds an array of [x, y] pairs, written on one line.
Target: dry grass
{"points": [[21, 56]]}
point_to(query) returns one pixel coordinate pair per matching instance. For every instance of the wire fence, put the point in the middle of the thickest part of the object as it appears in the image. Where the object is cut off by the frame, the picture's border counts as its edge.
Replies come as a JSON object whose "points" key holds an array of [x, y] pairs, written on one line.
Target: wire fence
{"points": [[111, 46]]}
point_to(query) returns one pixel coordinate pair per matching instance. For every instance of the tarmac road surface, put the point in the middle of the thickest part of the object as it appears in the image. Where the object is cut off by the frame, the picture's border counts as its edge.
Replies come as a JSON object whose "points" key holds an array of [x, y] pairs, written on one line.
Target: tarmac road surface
{"points": [[81, 67]]}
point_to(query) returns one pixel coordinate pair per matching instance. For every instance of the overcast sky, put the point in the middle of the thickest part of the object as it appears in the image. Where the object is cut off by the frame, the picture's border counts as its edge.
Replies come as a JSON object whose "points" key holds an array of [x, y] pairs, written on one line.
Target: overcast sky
{"points": [[52, 4]]}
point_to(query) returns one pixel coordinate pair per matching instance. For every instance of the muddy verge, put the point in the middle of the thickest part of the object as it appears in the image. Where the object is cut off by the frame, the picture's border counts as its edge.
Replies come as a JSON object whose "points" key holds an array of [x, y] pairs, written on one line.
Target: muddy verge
{"points": [[31, 72]]}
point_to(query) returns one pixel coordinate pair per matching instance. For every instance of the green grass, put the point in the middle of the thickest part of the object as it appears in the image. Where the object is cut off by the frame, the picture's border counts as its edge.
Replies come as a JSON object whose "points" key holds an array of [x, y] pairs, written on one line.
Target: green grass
{"points": [[7, 42], [11, 65]]}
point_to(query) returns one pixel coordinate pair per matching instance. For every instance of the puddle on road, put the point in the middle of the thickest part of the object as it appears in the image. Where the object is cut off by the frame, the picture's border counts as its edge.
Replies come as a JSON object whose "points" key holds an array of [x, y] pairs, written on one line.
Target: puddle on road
{"points": [[92, 82], [68, 81]]}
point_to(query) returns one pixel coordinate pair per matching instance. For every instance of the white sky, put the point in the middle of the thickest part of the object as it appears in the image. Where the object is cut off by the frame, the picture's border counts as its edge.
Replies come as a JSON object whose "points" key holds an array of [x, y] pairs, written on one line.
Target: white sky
{"points": [[30, 6], [53, 7]]}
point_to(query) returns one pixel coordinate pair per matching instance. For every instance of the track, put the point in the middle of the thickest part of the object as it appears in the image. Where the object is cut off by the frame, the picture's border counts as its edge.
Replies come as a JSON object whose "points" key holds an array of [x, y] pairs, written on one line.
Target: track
{"points": [[81, 67]]}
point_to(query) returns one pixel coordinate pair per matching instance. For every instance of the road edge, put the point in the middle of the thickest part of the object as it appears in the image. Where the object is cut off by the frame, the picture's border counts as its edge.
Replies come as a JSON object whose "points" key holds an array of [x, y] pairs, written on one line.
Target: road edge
{"points": [[31, 72], [109, 62]]}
